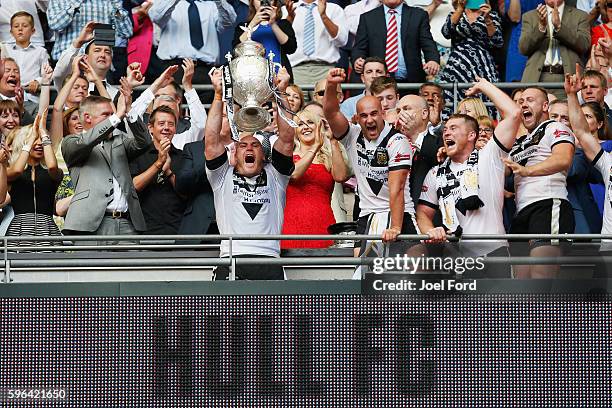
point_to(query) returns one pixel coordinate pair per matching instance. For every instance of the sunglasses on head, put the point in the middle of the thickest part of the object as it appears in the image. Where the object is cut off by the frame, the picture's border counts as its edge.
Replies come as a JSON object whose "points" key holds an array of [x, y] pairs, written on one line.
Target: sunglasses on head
{"points": [[609, 5]]}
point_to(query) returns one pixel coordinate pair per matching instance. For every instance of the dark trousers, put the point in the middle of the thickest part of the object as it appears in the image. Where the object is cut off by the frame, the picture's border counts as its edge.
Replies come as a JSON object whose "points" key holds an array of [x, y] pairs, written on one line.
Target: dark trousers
{"points": [[251, 272], [200, 77]]}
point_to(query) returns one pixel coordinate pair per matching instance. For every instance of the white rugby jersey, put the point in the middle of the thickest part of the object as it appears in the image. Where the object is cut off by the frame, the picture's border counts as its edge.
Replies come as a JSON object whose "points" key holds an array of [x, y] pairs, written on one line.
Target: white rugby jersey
{"points": [[603, 163], [253, 205], [532, 149], [487, 219], [372, 160]]}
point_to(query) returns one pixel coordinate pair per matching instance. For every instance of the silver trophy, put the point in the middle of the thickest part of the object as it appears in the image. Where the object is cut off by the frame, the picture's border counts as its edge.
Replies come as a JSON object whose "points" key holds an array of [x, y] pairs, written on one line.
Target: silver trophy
{"points": [[250, 72]]}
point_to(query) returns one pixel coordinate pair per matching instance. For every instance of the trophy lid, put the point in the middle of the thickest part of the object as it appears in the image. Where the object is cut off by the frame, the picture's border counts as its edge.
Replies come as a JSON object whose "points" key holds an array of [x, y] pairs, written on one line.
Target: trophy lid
{"points": [[249, 47]]}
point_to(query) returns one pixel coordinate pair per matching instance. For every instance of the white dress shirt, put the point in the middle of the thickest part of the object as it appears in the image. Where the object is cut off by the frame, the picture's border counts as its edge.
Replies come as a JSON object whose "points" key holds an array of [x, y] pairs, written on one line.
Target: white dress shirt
{"points": [[354, 11], [119, 201], [197, 119], [29, 60], [327, 49], [553, 58], [10, 7], [173, 19], [63, 69]]}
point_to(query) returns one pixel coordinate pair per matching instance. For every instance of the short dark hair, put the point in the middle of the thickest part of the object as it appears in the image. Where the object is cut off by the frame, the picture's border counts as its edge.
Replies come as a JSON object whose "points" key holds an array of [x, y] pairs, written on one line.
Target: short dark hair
{"points": [[92, 42], [591, 73], [23, 14], [381, 83], [433, 84], [162, 109], [471, 122], [377, 60]]}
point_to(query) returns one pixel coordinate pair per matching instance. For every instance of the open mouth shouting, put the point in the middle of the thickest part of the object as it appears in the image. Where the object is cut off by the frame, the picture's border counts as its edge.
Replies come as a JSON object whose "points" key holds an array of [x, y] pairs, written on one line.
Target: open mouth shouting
{"points": [[12, 81], [249, 158]]}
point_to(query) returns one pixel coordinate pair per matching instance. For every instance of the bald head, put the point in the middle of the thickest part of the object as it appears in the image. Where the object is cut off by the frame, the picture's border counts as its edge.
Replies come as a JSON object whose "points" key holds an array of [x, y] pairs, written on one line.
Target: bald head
{"points": [[413, 114], [416, 100], [370, 117]]}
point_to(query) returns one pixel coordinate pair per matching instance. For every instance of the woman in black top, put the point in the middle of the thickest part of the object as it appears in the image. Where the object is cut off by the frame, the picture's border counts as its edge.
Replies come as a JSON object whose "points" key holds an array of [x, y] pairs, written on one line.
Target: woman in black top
{"points": [[33, 178], [275, 34]]}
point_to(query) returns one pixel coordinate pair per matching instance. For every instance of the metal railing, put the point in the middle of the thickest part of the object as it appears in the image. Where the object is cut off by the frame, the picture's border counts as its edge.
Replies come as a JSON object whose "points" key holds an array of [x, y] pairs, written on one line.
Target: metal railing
{"points": [[455, 86], [160, 242]]}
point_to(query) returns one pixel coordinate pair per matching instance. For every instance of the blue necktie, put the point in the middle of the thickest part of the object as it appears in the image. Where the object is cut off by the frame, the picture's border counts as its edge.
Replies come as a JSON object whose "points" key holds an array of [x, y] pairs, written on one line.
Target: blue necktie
{"points": [[309, 29], [195, 25]]}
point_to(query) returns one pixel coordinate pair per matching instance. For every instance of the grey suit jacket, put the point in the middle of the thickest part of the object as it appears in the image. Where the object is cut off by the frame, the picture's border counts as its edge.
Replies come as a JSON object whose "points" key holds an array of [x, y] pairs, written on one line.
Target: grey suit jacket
{"points": [[93, 158], [574, 40]]}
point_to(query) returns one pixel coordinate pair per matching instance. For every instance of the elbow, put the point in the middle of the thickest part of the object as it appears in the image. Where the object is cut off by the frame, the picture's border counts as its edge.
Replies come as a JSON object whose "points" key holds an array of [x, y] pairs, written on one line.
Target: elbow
{"points": [[514, 113]]}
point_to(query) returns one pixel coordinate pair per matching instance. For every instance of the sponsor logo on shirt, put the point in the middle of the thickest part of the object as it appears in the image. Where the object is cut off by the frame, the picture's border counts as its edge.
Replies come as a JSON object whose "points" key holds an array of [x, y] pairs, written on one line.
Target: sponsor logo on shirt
{"points": [[559, 132]]}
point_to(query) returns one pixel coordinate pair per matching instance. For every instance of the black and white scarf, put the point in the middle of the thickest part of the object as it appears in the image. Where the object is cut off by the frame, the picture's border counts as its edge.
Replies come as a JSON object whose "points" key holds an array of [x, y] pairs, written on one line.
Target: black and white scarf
{"points": [[458, 194]]}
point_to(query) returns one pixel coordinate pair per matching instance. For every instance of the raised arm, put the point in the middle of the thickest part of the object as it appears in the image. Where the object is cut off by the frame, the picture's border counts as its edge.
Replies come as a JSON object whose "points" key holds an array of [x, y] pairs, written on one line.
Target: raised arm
{"points": [[286, 133], [227, 15], [580, 127], [57, 115], [140, 105], [340, 169], [64, 63], [46, 74], [196, 109], [507, 128], [331, 107], [77, 148], [213, 145], [17, 168], [49, 154], [531, 35], [161, 11]]}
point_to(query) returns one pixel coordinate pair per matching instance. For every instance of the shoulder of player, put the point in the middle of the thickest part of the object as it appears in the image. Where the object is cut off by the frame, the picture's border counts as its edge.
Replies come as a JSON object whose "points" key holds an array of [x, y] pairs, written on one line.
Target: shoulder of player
{"points": [[557, 130]]}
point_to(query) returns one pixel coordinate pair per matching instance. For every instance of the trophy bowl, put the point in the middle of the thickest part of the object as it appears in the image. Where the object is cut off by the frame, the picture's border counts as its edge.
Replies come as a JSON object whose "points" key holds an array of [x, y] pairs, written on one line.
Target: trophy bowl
{"points": [[250, 71]]}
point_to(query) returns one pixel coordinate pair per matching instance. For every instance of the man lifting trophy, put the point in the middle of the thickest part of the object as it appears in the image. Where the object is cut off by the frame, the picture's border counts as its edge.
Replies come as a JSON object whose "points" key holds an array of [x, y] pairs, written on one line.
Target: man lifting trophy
{"points": [[249, 190]]}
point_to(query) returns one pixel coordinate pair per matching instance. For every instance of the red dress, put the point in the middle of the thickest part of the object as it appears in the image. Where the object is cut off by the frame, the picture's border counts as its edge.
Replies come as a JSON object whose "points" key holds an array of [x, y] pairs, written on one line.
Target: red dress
{"points": [[308, 206]]}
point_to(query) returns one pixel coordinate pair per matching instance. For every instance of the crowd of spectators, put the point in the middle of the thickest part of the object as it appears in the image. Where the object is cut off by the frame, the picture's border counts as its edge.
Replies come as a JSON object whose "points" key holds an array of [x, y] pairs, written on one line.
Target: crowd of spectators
{"points": [[83, 152]]}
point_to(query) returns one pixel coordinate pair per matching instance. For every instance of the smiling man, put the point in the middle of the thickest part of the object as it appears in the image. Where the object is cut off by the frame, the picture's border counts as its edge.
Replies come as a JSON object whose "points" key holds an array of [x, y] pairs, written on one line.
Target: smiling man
{"points": [[540, 162], [249, 192]]}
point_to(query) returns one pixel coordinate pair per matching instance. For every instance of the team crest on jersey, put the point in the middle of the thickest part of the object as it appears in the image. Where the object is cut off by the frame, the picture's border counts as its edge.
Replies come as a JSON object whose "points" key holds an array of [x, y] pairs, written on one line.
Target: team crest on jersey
{"points": [[381, 157], [252, 194]]}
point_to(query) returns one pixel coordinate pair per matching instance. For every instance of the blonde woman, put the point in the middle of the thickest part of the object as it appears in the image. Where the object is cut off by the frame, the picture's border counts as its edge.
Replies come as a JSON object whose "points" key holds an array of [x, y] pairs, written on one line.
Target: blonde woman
{"points": [[33, 177], [319, 162], [473, 107]]}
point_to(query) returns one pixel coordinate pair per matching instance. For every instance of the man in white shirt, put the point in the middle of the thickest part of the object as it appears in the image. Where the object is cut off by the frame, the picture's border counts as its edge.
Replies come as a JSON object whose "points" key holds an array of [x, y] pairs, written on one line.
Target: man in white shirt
{"points": [[540, 162], [190, 29], [554, 37], [468, 187], [195, 131], [249, 193], [320, 31], [100, 57]]}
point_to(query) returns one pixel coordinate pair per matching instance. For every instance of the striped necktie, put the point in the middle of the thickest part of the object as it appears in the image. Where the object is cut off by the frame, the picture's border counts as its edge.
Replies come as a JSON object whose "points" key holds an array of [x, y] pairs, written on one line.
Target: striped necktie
{"points": [[309, 30], [391, 56]]}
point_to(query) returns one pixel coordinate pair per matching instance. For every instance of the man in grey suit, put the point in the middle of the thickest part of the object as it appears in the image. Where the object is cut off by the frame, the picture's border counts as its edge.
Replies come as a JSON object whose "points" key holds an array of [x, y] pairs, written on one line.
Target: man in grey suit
{"points": [[105, 201], [554, 37]]}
